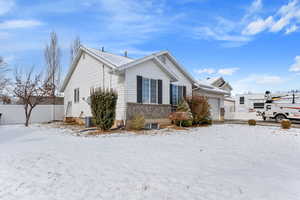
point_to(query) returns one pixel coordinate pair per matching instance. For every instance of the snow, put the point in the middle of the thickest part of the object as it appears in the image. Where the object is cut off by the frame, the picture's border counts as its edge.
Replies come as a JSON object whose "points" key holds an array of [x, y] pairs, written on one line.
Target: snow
{"points": [[217, 162], [210, 88], [112, 58]]}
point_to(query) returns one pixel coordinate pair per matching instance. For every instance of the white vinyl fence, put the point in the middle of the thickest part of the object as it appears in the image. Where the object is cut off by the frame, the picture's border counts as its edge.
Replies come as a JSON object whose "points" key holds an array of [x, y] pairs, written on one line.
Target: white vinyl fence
{"points": [[15, 114]]}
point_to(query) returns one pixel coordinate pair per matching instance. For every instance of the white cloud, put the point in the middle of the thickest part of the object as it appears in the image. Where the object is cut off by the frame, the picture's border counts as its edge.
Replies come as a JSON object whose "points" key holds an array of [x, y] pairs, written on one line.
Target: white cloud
{"points": [[222, 71], [240, 32], [228, 71], [291, 29], [296, 66], [228, 31], [286, 18], [258, 83], [218, 34], [258, 26], [268, 79], [14, 24], [206, 71], [255, 6], [6, 6], [287, 13]]}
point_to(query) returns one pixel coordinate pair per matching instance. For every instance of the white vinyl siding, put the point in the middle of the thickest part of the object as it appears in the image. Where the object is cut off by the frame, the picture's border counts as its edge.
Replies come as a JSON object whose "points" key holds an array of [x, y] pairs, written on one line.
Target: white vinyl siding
{"points": [[182, 79], [148, 70], [89, 74]]}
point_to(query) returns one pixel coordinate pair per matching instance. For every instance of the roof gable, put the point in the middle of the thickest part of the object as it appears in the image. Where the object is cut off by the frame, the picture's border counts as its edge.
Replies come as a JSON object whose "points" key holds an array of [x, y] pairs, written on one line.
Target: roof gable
{"points": [[155, 60], [176, 64]]}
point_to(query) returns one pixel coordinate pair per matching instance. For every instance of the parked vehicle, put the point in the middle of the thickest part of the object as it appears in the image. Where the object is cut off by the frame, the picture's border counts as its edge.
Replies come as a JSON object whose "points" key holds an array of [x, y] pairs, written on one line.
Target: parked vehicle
{"points": [[280, 108]]}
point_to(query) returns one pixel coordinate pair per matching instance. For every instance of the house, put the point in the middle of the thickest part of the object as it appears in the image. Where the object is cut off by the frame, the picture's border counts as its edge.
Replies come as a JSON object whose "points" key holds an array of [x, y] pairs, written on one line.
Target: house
{"points": [[228, 101], [215, 98], [220, 83], [150, 85]]}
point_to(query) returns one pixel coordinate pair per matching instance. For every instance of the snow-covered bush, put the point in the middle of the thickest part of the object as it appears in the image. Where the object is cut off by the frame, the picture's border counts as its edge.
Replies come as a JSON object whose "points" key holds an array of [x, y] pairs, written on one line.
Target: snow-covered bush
{"points": [[286, 124], [252, 122], [103, 107]]}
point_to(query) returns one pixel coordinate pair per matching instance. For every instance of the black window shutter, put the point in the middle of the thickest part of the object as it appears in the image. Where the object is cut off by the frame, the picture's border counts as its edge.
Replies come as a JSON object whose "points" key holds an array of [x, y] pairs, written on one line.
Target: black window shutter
{"points": [[159, 87], [184, 92], [139, 89], [78, 95], [180, 94], [171, 94]]}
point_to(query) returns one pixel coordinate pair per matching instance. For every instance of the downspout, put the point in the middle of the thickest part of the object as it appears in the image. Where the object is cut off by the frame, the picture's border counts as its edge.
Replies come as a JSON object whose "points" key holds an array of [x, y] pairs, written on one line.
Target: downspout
{"points": [[125, 98]]}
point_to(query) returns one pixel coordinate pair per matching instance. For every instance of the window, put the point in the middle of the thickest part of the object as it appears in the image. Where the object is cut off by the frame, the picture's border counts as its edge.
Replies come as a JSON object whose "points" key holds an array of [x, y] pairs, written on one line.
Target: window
{"points": [[258, 105], [153, 91], [151, 126], [242, 100], [76, 95], [149, 91], [177, 93]]}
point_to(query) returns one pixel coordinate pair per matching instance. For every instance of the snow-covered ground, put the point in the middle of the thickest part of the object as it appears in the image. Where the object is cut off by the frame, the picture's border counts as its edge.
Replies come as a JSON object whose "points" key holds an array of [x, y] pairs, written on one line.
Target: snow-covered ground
{"points": [[217, 162]]}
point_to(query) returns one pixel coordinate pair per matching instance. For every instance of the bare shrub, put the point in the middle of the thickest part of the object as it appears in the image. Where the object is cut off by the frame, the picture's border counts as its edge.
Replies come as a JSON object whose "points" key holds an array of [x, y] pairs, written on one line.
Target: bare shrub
{"points": [[137, 122], [32, 90], [200, 109], [252, 122], [286, 124]]}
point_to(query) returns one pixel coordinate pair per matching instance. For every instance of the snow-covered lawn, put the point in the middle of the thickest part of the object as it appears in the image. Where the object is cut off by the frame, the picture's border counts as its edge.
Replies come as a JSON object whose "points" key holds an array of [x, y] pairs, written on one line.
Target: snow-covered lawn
{"points": [[217, 162]]}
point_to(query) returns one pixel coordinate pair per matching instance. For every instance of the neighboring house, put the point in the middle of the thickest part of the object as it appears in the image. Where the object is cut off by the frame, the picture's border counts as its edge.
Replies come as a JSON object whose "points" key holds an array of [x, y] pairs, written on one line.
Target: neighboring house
{"points": [[148, 86], [220, 83], [215, 98]]}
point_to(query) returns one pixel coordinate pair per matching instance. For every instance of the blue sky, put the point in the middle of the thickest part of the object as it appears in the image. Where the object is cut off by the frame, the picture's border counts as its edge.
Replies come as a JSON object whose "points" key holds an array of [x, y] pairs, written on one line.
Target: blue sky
{"points": [[254, 44]]}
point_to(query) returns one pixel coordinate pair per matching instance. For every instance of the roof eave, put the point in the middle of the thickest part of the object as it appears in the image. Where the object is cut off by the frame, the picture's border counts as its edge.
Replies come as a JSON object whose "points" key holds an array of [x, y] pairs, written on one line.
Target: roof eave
{"points": [[74, 63], [179, 66], [71, 70]]}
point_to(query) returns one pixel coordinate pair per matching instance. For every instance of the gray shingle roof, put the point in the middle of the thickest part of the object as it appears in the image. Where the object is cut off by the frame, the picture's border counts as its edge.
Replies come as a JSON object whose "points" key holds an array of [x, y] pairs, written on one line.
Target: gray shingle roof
{"points": [[114, 59]]}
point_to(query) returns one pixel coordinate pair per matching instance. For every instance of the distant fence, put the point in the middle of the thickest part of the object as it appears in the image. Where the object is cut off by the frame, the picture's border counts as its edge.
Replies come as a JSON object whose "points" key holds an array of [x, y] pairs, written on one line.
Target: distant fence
{"points": [[15, 114]]}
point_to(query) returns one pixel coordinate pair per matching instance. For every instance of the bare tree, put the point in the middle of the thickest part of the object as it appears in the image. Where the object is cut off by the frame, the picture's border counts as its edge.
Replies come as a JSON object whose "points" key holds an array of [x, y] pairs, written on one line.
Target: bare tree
{"points": [[52, 58], [31, 89], [74, 49], [3, 80]]}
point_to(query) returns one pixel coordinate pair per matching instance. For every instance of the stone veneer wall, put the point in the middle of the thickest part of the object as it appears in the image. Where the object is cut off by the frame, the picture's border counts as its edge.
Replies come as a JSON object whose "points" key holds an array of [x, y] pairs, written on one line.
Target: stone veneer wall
{"points": [[149, 111]]}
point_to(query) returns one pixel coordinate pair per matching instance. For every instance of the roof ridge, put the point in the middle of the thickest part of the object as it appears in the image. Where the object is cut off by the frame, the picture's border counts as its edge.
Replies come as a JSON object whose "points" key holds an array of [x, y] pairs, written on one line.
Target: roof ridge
{"points": [[114, 54]]}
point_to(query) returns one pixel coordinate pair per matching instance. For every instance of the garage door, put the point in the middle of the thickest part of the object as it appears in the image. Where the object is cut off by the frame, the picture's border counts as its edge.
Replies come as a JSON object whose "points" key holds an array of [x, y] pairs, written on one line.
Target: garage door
{"points": [[214, 108]]}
